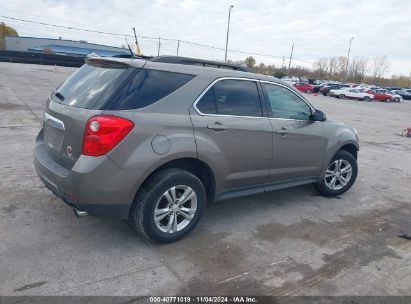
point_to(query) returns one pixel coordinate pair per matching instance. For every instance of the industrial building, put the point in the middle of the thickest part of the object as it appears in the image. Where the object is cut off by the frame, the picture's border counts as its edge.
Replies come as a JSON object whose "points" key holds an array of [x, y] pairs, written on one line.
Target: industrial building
{"points": [[61, 47]]}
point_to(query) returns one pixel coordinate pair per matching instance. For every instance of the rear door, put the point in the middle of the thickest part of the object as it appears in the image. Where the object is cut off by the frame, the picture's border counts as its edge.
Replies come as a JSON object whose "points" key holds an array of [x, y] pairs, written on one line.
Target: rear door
{"points": [[233, 133], [298, 142], [71, 105], [354, 94]]}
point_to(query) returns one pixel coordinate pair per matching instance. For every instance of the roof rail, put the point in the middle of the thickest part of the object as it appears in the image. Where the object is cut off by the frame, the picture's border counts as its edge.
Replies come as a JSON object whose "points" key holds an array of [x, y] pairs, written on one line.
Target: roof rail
{"points": [[200, 62]]}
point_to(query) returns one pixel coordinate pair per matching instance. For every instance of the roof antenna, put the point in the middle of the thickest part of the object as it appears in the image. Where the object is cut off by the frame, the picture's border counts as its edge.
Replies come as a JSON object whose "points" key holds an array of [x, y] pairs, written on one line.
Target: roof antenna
{"points": [[129, 48]]}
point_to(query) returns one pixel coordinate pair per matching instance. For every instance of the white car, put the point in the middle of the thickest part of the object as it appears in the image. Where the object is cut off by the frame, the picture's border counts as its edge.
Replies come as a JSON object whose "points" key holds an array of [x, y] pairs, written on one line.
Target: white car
{"points": [[351, 94], [395, 97]]}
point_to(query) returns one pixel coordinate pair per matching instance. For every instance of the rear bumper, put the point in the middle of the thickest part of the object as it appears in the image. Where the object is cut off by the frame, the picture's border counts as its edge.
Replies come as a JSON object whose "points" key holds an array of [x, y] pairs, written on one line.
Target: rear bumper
{"points": [[95, 184]]}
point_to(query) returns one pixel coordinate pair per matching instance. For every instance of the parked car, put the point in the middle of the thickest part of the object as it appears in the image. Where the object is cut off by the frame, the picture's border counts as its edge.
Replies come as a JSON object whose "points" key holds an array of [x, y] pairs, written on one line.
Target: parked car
{"points": [[304, 87], [326, 88], [152, 142], [317, 88], [405, 94], [290, 79], [396, 97], [351, 94], [384, 95]]}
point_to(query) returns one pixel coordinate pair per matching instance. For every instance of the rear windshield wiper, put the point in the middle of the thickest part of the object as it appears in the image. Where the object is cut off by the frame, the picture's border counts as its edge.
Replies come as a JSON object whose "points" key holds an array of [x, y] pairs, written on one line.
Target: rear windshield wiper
{"points": [[59, 95]]}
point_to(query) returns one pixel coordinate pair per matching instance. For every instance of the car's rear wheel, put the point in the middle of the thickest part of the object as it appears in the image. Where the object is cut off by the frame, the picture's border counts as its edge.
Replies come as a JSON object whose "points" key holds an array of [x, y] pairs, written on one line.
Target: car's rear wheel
{"points": [[308, 91], [168, 206], [366, 98], [396, 99], [339, 176], [341, 96], [388, 100]]}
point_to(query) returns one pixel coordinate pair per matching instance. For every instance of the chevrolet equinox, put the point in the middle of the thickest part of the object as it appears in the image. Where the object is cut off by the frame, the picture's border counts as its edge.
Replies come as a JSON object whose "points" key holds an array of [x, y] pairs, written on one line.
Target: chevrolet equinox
{"points": [[153, 142]]}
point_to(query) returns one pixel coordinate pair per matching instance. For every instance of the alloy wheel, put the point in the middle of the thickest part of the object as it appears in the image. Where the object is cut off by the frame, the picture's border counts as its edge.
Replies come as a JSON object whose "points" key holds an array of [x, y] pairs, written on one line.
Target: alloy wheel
{"points": [[338, 174], [175, 209]]}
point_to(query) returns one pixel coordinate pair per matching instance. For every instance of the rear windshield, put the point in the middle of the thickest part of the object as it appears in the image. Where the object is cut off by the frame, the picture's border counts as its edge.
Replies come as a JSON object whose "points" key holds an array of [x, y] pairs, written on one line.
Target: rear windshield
{"points": [[148, 86], [85, 87]]}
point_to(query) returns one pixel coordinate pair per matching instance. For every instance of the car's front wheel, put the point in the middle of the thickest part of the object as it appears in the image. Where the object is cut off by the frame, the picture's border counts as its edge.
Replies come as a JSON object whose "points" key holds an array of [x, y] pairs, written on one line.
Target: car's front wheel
{"points": [[168, 206], [396, 99], [339, 176], [308, 91], [341, 96], [366, 98]]}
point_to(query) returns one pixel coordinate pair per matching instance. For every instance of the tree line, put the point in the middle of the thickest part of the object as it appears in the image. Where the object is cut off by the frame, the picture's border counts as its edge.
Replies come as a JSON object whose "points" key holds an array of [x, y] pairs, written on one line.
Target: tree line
{"points": [[360, 70]]}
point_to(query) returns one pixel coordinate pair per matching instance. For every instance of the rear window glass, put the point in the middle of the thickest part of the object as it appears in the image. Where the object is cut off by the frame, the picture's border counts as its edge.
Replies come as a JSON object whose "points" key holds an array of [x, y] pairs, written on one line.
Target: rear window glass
{"points": [[147, 87], [84, 87], [232, 97]]}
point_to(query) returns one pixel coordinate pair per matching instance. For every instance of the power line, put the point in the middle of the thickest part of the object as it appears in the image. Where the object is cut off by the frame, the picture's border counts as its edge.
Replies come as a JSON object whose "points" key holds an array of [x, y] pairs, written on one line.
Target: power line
{"points": [[67, 27], [147, 37]]}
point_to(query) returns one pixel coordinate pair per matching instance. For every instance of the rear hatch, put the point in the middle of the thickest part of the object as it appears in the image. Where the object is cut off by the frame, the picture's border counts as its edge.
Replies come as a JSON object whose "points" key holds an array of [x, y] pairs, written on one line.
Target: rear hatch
{"points": [[84, 94]]}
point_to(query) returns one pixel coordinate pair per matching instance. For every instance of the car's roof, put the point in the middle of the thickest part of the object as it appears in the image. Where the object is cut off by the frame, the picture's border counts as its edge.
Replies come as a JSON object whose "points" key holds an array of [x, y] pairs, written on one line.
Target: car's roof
{"points": [[189, 69]]}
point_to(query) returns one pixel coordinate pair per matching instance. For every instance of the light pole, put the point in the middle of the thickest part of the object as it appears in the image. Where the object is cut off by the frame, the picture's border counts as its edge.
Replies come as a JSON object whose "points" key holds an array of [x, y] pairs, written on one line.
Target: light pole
{"points": [[291, 56], [348, 59], [228, 30]]}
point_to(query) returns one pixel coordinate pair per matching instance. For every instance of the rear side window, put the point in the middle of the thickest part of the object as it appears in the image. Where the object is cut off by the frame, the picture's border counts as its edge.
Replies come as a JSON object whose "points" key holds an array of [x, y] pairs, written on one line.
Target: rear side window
{"points": [[232, 97], [148, 86], [85, 87]]}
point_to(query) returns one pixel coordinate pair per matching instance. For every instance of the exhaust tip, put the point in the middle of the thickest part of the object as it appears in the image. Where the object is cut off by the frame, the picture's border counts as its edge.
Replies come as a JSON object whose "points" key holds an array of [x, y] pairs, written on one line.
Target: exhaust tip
{"points": [[80, 213]]}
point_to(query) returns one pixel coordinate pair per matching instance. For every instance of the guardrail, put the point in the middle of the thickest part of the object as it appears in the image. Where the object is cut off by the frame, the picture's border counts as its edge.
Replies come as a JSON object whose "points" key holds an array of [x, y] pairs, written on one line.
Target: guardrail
{"points": [[41, 58]]}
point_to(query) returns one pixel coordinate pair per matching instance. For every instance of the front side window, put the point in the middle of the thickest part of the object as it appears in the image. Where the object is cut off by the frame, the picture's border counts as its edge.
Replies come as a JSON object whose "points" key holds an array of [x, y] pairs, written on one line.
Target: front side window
{"points": [[286, 104], [149, 86], [231, 97]]}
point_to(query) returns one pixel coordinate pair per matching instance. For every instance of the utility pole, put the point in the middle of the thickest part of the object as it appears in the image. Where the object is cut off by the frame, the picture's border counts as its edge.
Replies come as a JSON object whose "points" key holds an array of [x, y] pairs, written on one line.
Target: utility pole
{"points": [[291, 56], [178, 46], [228, 30], [348, 59], [137, 46], [282, 64], [159, 45]]}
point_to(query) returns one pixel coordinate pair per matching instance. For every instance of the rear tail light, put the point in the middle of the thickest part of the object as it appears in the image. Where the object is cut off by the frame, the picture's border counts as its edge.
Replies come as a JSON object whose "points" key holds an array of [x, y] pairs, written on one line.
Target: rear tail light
{"points": [[103, 133]]}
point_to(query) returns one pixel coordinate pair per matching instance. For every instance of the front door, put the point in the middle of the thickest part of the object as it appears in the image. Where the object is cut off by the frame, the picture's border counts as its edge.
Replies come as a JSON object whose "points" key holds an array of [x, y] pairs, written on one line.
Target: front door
{"points": [[232, 133], [298, 142]]}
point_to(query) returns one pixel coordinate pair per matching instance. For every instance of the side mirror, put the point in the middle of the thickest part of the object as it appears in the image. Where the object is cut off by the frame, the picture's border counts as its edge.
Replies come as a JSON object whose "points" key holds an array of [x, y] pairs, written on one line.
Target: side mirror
{"points": [[318, 116]]}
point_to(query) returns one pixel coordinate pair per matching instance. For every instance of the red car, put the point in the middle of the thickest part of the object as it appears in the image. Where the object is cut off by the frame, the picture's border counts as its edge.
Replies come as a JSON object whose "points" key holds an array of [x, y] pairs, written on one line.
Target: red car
{"points": [[381, 95], [304, 87]]}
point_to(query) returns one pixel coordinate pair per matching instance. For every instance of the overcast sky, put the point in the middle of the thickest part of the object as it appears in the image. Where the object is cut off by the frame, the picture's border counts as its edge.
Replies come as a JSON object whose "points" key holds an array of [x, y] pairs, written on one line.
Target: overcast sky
{"points": [[318, 28]]}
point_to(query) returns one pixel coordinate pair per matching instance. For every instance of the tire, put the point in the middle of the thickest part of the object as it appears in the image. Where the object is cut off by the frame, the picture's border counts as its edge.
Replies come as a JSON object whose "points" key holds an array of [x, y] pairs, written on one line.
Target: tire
{"points": [[388, 100], [324, 187], [152, 197], [396, 99], [308, 91], [341, 96], [366, 98]]}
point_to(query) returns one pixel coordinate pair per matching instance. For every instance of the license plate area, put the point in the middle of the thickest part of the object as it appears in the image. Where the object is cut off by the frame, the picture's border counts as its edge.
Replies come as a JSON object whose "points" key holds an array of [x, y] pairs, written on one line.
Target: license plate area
{"points": [[53, 137]]}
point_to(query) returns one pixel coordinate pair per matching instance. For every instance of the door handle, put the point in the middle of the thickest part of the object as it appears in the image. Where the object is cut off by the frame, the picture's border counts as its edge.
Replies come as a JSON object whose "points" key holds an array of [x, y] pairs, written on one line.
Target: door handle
{"points": [[283, 131], [217, 126]]}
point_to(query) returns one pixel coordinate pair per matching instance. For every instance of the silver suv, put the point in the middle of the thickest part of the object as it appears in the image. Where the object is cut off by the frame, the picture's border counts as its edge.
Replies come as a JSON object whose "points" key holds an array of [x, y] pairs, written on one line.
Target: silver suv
{"points": [[153, 142]]}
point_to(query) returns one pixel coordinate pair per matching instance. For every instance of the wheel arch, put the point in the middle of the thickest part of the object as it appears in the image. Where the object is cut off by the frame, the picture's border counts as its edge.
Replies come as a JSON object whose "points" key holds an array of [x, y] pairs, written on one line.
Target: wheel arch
{"points": [[349, 145], [194, 166], [350, 148]]}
